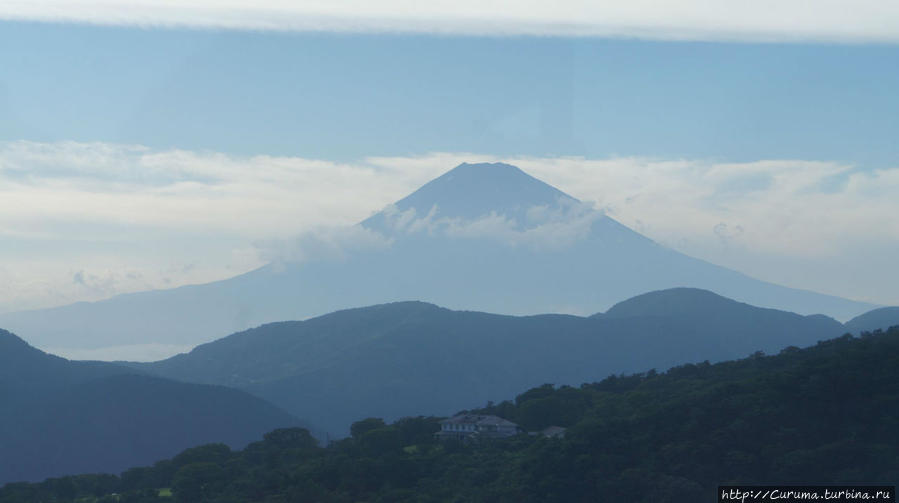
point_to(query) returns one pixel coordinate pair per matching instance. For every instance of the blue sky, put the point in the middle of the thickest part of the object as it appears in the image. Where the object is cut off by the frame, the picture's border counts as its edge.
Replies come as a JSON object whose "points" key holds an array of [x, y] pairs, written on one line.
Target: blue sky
{"points": [[154, 144], [347, 96]]}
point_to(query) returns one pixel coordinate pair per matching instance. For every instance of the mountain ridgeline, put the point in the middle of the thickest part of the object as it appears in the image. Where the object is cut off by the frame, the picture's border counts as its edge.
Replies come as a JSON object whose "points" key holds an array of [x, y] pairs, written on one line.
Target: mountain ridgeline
{"points": [[481, 236], [827, 414], [877, 319], [64, 417], [409, 358]]}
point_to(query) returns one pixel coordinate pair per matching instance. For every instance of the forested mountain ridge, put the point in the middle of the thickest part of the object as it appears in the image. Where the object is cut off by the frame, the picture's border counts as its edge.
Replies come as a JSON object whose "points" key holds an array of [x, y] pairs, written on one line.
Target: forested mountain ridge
{"points": [[826, 414], [60, 416], [881, 318], [408, 358], [25, 370]]}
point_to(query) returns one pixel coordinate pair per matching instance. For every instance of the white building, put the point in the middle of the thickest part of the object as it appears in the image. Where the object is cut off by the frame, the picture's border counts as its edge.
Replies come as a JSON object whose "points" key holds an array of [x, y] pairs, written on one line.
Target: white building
{"points": [[471, 426]]}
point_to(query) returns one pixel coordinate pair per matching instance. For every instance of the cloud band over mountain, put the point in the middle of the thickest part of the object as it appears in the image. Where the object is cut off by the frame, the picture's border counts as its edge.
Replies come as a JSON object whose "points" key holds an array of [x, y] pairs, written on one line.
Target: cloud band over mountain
{"points": [[776, 219]]}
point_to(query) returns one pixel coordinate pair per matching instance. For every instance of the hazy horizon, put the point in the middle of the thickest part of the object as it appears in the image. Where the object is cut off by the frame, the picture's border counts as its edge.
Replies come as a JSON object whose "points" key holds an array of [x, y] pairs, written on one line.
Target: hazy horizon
{"points": [[147, 147]]}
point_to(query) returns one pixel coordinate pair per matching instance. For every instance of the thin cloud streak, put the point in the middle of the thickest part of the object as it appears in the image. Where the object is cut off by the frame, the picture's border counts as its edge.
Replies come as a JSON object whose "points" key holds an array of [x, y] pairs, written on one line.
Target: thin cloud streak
{"points": [[83, 221], [725, 20]]}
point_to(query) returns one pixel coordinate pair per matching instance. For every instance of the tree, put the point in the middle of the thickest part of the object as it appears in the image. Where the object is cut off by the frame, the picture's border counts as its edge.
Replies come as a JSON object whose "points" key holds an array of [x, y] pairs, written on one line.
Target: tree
{"points": [[196, 482], [290, 438], [359, 428]]}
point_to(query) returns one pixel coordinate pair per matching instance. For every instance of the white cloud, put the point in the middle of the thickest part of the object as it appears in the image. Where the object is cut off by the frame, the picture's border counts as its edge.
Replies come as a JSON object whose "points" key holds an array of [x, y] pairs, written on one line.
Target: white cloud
{"points": [[129, 185], [323, 243], [742, 20], [557, 234], [126, 218], [541, 227]]}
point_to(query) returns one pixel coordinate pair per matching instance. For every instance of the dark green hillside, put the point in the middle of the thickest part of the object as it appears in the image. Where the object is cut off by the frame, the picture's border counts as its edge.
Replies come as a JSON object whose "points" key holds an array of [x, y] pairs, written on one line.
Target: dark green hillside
{"points": [[827, 414], [60, 416], [410, 358], [703, 306], [26, 370]]}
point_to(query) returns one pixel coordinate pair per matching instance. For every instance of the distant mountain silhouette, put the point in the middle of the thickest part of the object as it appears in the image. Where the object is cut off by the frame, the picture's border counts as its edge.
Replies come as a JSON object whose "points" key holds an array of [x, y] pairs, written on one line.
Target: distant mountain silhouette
{"points": [[61, 417], [701, 305], [408, 358], [882, 318], [481, 236], [474, 190]]}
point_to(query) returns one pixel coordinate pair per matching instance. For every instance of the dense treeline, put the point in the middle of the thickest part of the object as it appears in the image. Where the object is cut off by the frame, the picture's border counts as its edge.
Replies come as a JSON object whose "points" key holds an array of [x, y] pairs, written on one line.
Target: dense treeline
{"points": [[827, 414], [421, 359]]}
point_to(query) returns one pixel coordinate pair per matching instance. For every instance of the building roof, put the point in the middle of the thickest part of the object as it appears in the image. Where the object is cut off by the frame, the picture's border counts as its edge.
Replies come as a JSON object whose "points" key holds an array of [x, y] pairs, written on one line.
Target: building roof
{"points": [[478, 419]]}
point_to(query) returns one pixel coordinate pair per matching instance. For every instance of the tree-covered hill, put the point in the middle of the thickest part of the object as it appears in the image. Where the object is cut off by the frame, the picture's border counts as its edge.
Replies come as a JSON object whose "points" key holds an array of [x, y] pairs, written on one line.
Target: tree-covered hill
{"points": [[410, 358], [827, 414], [881, 318], [58, 416]]}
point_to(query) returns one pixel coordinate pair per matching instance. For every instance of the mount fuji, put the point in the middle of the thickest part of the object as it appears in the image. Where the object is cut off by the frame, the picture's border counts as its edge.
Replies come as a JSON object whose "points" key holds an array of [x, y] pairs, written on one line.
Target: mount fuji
{"points": [[484, 237]]}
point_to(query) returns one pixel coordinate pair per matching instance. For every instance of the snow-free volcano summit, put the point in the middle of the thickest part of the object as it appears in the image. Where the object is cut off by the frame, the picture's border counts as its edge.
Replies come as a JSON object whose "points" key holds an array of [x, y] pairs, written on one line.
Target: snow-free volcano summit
{"points": [[485, 237]]}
